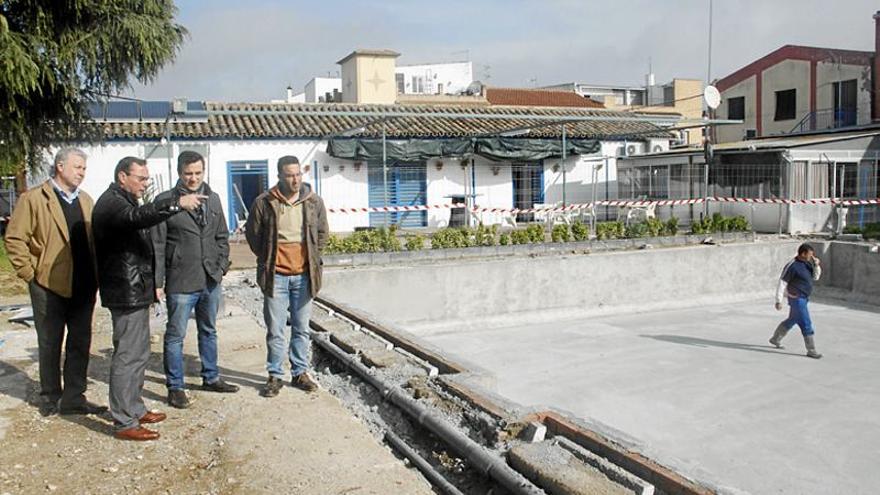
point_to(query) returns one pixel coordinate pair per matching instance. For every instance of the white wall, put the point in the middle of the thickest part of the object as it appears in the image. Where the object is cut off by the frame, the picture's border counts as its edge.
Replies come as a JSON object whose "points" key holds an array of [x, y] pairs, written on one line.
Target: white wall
{"points": [[318, 87], [455, 77], [343, 184], [736, 132], [829, 73], [788, 74]]}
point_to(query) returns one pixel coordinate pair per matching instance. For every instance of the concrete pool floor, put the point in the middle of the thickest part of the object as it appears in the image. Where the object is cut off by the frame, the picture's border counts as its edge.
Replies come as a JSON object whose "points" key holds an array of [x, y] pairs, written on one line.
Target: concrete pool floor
{"points": [[702, 391]]}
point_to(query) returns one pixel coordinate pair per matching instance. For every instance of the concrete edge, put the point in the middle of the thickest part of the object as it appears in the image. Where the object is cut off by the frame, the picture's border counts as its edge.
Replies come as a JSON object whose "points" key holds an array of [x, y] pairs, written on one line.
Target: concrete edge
{"points": [[664, 479], [443, 364], [537, 249]]}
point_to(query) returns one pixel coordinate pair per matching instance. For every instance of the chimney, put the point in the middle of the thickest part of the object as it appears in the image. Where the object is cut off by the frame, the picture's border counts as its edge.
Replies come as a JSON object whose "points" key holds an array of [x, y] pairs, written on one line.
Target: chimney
{"points": [[875, 77], [289, 94]]}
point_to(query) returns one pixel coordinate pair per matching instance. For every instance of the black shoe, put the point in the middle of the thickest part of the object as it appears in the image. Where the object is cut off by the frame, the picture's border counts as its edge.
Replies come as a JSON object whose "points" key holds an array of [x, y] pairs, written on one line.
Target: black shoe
{"points": [[48, 409], [178, 399], [304, 382], [85, 407], [272, 387], [220, 386]]}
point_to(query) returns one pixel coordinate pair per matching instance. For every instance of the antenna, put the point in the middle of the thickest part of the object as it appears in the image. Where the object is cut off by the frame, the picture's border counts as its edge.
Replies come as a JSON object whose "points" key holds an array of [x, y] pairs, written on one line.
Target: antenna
{"points": [[709, 64], [487, 72]]}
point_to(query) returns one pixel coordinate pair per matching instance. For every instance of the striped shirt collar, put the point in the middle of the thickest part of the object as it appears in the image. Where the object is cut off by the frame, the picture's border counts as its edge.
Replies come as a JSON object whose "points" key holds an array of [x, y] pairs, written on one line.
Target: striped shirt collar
{"points": [[69, 197]]}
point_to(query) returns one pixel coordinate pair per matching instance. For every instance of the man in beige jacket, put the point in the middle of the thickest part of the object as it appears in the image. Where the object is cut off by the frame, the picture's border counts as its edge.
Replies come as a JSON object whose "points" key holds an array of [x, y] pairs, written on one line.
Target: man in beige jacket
{"points": [[50, 245]]}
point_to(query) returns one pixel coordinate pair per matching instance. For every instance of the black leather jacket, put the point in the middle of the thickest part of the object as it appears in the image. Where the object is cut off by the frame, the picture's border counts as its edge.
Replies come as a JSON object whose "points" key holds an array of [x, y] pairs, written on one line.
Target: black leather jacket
{"points": [[124, 249]]}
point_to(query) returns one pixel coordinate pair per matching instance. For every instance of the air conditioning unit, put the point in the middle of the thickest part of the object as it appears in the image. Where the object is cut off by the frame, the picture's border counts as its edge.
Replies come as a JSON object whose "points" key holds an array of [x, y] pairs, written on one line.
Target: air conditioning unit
{"points": [[631, 149], [178, 106], [657, 148]]}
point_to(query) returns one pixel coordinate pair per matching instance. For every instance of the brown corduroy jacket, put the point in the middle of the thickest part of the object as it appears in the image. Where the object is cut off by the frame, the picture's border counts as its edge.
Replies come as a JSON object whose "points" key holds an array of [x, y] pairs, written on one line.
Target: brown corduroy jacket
{"points": [[38, 242]]}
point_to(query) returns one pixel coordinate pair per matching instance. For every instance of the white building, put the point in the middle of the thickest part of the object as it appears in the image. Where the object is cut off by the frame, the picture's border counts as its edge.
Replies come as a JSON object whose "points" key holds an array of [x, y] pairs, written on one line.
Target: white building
{"points": [[323, 89], [431, 159], [450, 78]]}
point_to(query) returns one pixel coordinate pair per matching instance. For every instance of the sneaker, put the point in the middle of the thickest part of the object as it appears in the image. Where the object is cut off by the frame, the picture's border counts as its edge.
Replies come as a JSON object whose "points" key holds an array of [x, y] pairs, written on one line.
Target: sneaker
{"points": [[304, 382], [220, 386], [272, 387], [178, 399], [813, 354]]}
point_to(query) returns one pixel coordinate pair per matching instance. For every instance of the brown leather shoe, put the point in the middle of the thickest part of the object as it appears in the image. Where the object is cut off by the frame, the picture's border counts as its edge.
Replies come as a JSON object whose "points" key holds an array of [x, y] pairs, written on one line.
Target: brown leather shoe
{"points": [[152, 417], [138, 434]]}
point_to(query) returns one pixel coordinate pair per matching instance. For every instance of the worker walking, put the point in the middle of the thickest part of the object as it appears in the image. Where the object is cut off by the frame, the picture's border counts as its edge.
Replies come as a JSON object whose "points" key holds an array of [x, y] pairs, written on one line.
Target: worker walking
{"points": [[796, 284]]}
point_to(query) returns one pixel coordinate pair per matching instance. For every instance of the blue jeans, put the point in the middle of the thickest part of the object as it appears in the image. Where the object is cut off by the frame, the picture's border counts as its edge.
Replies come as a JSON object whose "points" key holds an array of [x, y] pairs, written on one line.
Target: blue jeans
{"points": [[291, 296], [799, 315], [180, 306]]}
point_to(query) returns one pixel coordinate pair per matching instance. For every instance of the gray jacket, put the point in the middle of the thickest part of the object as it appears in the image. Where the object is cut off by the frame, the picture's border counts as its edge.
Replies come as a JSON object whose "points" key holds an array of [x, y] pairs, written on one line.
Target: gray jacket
{"points": [[189, 255]]}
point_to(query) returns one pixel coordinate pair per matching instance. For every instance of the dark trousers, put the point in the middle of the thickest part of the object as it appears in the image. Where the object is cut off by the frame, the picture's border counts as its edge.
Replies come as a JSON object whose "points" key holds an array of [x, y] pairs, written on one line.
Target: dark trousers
{"points": [[52, 313]]}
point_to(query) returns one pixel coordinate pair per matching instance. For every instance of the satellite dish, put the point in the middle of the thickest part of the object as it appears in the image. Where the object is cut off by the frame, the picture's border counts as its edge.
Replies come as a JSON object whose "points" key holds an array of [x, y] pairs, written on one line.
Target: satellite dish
{"points": [[475, 88], [712, 97]]}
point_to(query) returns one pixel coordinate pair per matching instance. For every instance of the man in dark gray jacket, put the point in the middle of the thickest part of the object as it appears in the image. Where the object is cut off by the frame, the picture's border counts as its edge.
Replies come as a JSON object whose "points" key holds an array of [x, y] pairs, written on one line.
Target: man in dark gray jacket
{"points": [[192, 255]]}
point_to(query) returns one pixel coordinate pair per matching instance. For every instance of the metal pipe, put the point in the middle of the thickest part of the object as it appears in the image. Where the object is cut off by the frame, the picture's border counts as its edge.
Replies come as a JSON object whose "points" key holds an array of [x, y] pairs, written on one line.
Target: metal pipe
{"points": [[563, 165], [421, 464], [484, 461], [384, 176]]}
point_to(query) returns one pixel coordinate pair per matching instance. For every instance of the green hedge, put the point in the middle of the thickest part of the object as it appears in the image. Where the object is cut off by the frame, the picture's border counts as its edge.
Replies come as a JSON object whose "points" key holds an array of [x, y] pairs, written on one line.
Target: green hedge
{"points": [[386, 240], [869, 231]]}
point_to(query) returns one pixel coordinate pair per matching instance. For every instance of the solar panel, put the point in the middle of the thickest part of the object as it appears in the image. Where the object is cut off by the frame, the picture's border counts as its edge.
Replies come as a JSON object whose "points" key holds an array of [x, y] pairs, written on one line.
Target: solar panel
{"points": [[155, 110], [96, 111], [122, 110]]}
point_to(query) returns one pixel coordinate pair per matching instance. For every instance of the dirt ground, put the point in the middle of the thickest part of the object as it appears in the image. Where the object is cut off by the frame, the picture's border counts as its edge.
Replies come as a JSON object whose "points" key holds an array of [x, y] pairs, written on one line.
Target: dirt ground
{"points": [[225, 443]]}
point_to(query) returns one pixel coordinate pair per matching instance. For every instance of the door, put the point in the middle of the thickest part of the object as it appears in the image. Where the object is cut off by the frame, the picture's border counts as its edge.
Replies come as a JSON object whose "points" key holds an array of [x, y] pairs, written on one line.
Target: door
{"points": [[528, 188], [845, 108], [247, 180], [407, 186]]}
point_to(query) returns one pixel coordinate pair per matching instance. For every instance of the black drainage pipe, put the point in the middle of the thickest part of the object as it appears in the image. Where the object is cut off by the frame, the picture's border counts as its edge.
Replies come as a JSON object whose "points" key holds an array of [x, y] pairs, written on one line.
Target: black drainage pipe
{"points": [[486, 462], [421, 464]]}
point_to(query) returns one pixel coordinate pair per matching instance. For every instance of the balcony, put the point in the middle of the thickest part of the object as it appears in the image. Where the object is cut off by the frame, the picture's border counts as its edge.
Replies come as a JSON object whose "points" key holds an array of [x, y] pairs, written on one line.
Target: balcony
{"points": [[828, 118]]}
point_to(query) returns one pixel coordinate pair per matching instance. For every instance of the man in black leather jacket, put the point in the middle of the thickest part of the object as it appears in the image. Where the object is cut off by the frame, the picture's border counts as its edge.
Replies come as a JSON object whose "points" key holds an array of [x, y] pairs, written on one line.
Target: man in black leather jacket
{"points": [[126, 280]]}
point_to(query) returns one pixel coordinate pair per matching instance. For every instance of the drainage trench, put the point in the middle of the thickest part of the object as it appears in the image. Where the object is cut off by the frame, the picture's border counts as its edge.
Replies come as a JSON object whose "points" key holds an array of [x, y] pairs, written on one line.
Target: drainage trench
{"points": [[461, 442]]}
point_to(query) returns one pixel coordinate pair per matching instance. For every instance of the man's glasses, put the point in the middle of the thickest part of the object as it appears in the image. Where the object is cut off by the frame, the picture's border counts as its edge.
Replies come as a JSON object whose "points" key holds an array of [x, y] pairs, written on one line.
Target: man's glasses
{"points": [[140, 178]]}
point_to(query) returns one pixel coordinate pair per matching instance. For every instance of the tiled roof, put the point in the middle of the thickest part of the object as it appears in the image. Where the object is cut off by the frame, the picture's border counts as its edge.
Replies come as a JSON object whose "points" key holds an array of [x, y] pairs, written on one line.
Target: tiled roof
{"points": [[539, 98], [313, 121]]}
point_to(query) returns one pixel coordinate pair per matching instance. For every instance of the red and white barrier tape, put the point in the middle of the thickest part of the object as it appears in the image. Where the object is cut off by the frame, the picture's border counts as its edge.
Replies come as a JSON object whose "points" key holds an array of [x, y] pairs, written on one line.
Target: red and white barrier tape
{"points": [[626, 203]]}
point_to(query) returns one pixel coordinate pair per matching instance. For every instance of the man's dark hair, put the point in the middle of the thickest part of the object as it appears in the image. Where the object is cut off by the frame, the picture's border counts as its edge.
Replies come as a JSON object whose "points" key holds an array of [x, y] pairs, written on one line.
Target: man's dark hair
{"points": [[287, 160], [187, 157], [805, 248], [125, 164]]}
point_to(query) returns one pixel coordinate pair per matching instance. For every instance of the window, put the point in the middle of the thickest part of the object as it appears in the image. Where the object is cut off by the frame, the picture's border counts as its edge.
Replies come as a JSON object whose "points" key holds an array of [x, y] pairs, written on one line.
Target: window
{"points": [[418, 85], [736, 108], [399, 79], [786, 104]]}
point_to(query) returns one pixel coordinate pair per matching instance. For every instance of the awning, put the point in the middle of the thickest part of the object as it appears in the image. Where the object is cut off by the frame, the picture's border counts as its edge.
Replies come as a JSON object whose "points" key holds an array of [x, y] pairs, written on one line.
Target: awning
{"points": [[493, 148]]}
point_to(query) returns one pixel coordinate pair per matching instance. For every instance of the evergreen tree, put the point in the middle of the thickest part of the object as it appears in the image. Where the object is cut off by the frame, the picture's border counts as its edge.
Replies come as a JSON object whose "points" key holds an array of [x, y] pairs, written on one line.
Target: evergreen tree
{"points": [[57, 56]]}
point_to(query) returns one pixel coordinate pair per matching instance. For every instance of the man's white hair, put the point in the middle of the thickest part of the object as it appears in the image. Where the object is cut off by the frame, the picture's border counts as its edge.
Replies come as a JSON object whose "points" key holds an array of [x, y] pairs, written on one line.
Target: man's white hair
{"points": [[62, 156]]}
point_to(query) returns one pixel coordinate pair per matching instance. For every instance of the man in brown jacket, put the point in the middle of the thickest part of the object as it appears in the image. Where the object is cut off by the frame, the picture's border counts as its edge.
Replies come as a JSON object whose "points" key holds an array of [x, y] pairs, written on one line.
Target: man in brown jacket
{"points": [[287, 231], [50, 245]]}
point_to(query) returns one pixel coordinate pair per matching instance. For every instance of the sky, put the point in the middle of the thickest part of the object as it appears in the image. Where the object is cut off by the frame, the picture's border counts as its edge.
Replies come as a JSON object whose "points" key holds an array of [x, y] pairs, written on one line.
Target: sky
{"points": [[251, 51]]}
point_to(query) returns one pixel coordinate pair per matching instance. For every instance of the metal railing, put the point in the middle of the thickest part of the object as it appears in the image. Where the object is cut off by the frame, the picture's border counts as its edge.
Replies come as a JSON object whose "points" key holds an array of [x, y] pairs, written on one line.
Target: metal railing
{"points": [[828, 118]]}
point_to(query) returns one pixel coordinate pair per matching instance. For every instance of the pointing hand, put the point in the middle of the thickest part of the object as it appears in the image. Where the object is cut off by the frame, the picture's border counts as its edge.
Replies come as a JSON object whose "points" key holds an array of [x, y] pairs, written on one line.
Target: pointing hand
{"points": [[191, 201]]}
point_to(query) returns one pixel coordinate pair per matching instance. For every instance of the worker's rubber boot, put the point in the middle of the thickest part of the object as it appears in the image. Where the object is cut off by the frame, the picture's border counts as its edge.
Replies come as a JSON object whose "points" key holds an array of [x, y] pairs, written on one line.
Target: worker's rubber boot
{"points": [[778, 335], [811, 347]]}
